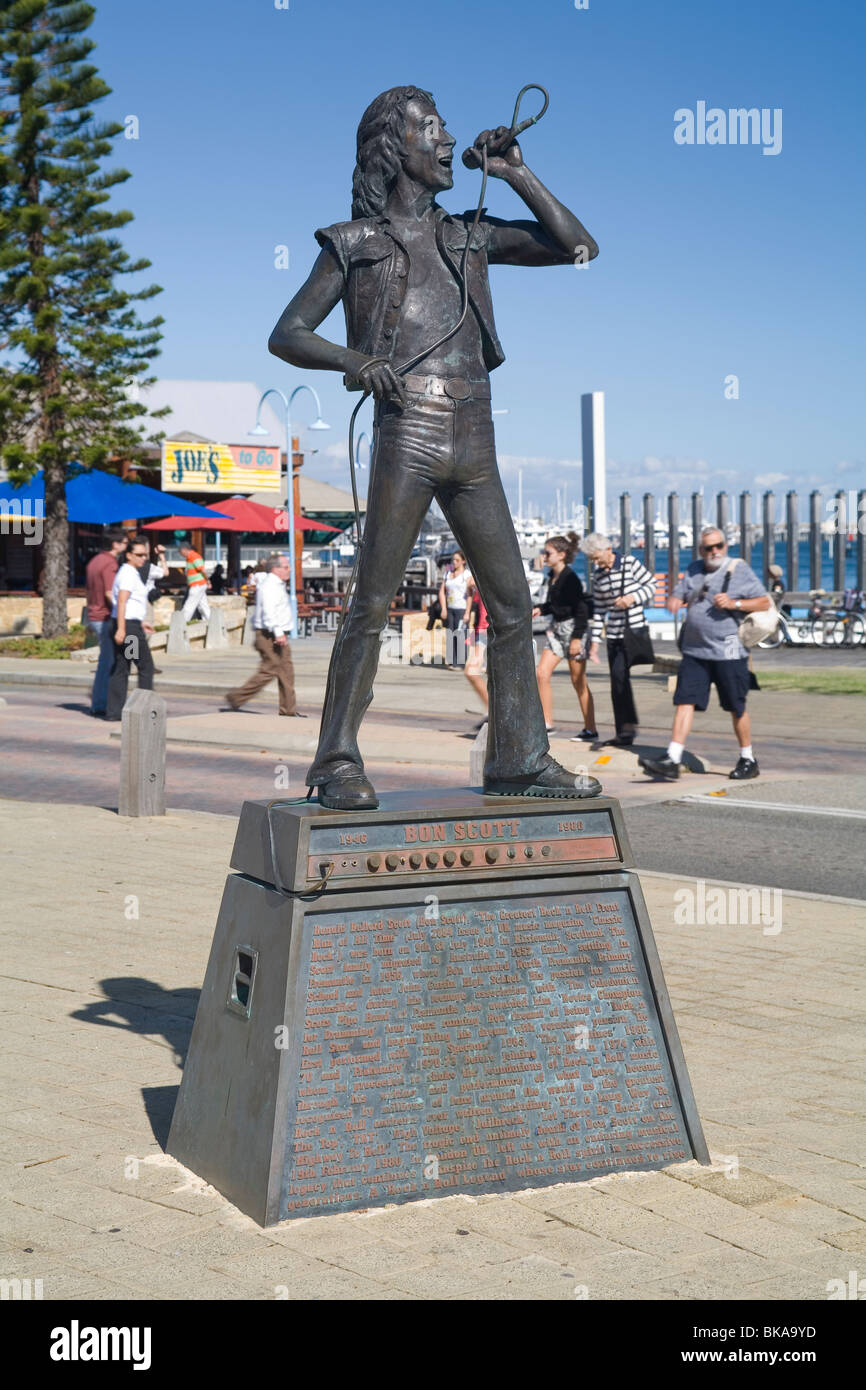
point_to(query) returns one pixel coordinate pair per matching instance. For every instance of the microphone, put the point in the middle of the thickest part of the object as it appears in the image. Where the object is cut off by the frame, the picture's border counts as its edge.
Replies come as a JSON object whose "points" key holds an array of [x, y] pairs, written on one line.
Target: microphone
{"points": [[472, 156]]}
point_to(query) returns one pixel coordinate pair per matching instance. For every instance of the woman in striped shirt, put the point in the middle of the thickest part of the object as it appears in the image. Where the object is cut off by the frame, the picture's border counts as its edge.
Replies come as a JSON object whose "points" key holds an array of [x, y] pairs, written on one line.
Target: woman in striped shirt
{"points": [[620, 588]]}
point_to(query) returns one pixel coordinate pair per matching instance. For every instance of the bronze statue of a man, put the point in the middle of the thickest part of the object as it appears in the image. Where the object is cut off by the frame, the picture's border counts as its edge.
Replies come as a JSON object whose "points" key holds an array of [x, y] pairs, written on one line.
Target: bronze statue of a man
{"points": [[396, 267]]}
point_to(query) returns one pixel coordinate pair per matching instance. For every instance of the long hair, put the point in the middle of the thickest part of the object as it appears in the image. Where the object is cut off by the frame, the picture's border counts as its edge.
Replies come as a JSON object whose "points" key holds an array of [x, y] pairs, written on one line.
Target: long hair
{"points": [[380, 145]]}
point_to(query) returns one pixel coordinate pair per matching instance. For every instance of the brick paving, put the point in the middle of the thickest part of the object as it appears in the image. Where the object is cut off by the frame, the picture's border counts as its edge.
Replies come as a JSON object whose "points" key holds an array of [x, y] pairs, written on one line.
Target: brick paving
{"points": [[105, 938]]}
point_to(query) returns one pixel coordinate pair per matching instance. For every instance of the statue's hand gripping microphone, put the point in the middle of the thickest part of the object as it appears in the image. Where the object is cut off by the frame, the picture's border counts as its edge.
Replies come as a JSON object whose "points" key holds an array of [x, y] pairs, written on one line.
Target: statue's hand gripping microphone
{"points": [[497, 143]]}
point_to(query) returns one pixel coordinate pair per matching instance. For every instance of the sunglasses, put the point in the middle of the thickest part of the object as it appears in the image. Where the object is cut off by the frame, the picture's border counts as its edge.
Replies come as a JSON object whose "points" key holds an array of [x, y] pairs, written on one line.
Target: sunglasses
{"points": [[713, 545]]}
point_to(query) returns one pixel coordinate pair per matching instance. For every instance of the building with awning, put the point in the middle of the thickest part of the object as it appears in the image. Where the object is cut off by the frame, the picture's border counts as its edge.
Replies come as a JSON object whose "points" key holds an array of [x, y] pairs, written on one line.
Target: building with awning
{"points": [[208, 456], [94, 498]]}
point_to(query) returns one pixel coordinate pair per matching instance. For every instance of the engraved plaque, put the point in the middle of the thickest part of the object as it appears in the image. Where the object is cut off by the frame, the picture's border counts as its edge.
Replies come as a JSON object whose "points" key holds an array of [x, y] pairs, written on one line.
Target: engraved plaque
{"points": [[506, 1044]]}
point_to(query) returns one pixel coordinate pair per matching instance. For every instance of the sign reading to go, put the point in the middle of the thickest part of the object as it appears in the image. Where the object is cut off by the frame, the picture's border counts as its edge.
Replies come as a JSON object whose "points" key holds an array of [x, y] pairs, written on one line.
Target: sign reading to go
{"points": [[188, 467]]}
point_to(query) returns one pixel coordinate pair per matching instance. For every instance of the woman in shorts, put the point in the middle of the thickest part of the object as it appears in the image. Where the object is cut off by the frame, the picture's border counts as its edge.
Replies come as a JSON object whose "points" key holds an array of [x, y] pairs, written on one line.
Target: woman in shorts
{"points": [[567, 607]]}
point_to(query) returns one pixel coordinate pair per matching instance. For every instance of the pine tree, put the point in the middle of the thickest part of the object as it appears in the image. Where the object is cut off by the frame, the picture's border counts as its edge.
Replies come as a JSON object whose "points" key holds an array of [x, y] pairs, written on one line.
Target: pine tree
{"points": [[71, 341]]}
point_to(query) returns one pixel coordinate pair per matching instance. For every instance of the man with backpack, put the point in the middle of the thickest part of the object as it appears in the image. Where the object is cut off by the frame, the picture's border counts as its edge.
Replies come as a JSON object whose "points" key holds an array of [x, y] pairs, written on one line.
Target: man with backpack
{"points": [[717, 593]]}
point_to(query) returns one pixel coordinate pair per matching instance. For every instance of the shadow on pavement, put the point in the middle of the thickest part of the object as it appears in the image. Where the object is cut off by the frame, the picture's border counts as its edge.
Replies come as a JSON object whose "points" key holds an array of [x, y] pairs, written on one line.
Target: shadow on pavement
{"points": [[136, 1005], [159, 1102], [691, 761], [141, 1006]]}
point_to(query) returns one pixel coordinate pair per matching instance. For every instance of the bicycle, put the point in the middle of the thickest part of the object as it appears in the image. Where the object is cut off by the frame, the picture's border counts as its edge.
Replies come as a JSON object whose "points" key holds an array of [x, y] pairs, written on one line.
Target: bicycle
{"points": [[840, 627], [784, 632]]}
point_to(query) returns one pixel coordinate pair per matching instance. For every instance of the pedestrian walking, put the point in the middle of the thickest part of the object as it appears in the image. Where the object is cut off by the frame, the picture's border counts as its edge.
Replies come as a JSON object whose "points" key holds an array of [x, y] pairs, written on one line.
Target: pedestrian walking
{"points": [[196, 579], [777, 589], [129, 626], [716, 592], [477, 623], [272, 620], [568, 633], [99, 578], [453, 599], [620, 588]]}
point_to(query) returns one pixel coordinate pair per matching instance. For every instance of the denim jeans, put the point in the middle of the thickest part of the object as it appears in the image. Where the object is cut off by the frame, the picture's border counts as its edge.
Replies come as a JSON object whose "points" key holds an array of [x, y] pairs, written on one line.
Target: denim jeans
{"points": [[99, 694], [441, 448]]}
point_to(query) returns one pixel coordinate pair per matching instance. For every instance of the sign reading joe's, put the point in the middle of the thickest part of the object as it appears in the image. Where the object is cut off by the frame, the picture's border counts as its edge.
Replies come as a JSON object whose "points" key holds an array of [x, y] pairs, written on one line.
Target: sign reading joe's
{"points": [[203, 467]]}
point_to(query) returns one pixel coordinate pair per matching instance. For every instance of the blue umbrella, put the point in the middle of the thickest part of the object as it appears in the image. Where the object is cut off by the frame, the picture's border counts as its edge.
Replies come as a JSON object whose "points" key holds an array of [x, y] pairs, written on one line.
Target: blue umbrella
{"points": [[95, 497]]}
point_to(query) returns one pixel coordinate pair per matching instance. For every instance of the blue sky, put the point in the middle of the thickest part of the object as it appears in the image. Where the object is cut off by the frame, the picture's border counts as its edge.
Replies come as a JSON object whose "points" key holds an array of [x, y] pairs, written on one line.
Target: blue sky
{"points": [[714, 260]]}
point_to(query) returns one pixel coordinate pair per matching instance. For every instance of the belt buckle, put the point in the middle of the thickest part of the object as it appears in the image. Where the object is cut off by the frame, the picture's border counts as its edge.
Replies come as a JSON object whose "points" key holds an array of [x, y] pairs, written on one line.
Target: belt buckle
{"points": [[458, 388]]}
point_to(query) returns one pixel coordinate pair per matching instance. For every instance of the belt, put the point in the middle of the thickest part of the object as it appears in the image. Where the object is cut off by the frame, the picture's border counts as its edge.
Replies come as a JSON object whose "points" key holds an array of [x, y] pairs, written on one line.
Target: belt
{"points": [[457, 388]]}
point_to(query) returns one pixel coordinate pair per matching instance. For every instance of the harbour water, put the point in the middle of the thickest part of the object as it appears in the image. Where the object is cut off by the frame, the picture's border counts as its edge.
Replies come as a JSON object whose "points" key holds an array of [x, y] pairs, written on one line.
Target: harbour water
{"points": [[757, 562]]}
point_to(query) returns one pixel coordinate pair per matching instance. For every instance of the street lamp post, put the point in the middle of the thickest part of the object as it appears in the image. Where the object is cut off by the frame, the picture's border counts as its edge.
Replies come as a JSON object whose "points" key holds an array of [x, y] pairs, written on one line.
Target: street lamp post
{"points": [[362, 436], [259, 429], [359, 465]]}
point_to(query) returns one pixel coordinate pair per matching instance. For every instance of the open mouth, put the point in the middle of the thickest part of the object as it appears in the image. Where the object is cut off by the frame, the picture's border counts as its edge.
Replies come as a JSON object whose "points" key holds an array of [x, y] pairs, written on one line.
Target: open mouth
{"points": [[446, 160]]}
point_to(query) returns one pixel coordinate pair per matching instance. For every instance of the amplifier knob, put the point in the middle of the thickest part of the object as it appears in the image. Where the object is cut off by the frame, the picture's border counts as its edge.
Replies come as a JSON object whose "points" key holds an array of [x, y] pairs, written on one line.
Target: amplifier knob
{"points": [[392, 861], [432, 859], [545, 850], [466, 856], [416, 860], [373, 862], [511, 852], [449, 858], [491, 855], [528, 851]]}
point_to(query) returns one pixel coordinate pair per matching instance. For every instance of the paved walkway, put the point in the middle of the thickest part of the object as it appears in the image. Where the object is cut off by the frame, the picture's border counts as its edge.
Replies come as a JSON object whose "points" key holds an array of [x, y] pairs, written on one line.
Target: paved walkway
{"points": [[422, 716], [105, 938]]}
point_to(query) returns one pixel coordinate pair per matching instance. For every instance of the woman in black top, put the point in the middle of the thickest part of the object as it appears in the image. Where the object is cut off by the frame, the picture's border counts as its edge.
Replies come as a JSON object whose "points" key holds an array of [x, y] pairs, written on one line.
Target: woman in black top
{"points": [[568, 609]]}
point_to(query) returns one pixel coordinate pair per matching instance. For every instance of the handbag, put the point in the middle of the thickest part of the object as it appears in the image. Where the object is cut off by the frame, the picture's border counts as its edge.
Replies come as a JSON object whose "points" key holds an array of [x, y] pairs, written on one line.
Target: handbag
{"points": [[636, 640], [755, 627], [638, 646]]}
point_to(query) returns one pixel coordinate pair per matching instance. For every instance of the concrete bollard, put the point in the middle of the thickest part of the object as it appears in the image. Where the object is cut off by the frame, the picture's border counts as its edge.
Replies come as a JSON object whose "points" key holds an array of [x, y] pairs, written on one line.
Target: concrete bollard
{"points": [[249, 637], [142, 755], [477, 758], [216, 636], [178, 637]]}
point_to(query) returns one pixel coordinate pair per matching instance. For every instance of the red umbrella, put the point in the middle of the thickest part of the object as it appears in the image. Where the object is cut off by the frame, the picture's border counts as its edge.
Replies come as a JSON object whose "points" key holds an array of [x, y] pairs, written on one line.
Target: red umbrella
{"points": [[244, 516]]}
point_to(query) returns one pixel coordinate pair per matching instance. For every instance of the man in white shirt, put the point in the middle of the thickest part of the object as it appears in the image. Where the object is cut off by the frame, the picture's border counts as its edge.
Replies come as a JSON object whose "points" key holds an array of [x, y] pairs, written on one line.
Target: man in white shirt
{"points": [[129, 628], [272, 620]]}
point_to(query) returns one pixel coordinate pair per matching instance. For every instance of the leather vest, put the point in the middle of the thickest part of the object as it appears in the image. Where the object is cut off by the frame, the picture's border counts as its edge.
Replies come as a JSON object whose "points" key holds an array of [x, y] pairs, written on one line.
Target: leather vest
{"points": [[375, 268]]}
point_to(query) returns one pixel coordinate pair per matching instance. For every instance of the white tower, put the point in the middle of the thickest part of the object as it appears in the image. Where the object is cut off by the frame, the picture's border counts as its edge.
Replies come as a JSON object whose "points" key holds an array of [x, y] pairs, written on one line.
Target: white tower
{"points": [[594, 470]]}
